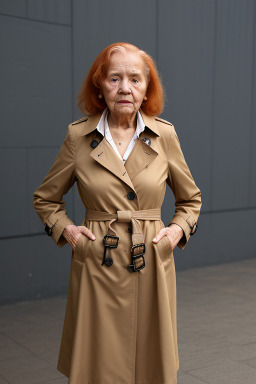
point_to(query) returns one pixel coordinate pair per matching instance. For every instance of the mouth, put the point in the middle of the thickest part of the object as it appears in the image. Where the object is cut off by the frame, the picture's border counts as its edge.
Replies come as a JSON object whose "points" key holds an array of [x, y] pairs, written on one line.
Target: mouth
{"points": [[124, 102]]}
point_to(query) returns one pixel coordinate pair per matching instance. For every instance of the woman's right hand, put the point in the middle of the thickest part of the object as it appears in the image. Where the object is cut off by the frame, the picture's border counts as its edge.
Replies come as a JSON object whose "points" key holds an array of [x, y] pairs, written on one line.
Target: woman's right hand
{"points": [[73, 232]]}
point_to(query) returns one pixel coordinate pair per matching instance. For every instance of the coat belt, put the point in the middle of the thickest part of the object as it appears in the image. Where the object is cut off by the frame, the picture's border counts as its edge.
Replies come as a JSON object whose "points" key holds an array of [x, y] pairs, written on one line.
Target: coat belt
{"points": [[111, 239]]}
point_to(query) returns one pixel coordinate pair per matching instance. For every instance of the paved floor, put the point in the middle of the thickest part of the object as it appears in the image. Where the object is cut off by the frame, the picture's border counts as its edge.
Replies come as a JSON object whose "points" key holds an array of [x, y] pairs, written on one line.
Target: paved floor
{"points": [[217, 330]]}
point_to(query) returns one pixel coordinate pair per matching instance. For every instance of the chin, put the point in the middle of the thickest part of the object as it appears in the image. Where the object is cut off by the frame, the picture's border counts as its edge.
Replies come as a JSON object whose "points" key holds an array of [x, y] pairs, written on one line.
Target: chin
{"points": [[125, 108]]}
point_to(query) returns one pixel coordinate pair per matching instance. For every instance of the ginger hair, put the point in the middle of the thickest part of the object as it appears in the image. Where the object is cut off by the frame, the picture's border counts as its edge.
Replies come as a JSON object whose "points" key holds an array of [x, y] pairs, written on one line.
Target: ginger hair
{"points": [[88, 98]]}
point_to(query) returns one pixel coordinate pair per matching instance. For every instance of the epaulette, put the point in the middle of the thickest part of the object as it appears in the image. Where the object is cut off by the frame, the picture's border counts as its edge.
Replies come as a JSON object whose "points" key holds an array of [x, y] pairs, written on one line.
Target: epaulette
{"points": [[80, 120], [163, 121]]}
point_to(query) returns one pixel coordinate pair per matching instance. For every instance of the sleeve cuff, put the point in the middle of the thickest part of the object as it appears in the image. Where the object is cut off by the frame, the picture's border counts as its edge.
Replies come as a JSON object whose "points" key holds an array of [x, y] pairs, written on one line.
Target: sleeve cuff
{"points": [[57, 222], [187, 224]]}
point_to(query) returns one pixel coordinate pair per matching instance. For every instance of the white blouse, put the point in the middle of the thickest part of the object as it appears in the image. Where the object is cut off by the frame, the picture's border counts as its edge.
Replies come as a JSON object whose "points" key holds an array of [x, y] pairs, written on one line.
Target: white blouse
{"points": [[103, 128]]}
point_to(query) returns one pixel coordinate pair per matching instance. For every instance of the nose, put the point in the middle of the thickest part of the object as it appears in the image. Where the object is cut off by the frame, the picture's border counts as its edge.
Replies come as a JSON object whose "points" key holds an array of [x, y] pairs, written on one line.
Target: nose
{"points": [[124, 87]]}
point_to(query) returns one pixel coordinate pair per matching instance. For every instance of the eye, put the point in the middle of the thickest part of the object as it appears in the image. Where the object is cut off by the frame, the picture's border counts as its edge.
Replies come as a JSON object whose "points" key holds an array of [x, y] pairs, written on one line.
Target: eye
{"points": [[135, 80], [114, 79]]}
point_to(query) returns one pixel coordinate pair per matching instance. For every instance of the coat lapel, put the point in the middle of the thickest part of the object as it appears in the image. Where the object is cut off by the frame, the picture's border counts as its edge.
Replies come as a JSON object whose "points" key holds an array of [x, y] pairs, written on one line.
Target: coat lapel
{"points": [[143, 154], [105, 155], [140, 157]]}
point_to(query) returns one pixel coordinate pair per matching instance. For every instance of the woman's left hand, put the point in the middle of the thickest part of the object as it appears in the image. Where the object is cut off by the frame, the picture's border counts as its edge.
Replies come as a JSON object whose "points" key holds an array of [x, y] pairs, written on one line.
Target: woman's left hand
{"points": [[174, 234]]}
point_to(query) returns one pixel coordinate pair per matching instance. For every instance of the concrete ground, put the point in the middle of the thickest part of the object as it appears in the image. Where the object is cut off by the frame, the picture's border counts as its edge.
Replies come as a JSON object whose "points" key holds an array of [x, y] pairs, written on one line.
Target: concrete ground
{"points": [[216, 330]]}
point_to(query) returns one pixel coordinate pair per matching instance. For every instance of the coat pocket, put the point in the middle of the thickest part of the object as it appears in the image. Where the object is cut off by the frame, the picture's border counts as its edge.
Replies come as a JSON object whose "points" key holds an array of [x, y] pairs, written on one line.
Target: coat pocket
{"points": [[165, 251], [79, 252]]}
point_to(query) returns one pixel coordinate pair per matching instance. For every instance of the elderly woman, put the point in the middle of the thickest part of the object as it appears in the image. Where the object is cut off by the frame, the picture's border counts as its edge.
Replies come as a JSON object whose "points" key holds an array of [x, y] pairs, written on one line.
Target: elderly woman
{"points": [[120, 322]]}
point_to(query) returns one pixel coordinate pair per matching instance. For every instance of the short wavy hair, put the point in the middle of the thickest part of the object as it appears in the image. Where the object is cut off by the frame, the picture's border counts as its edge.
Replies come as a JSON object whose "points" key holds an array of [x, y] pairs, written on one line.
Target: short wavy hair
{"points": [[88, 100]]}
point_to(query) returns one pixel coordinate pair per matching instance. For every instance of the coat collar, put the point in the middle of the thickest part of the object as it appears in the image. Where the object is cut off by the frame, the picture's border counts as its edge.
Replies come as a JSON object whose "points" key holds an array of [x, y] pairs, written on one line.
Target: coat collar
{"points": [[91, 123], [140, 157]]}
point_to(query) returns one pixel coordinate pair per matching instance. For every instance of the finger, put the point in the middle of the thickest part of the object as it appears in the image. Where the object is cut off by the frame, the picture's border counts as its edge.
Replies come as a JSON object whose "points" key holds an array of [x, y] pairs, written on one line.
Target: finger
{"points": [[159, 235], [87, 232]]}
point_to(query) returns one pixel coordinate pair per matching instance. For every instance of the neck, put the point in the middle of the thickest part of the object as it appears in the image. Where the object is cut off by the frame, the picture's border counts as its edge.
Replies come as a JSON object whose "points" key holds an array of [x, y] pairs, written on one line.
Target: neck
{"points": [[122, 122]]}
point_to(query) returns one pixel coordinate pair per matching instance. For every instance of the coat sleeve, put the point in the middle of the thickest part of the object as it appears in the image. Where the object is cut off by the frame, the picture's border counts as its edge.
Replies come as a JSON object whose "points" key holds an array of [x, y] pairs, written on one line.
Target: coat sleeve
{"points": [[187, 195], [48, 197]]}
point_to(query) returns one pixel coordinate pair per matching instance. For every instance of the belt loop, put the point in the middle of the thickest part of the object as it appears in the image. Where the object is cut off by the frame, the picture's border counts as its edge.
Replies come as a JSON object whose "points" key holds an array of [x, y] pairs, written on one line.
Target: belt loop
{"points": [[124, 216]]}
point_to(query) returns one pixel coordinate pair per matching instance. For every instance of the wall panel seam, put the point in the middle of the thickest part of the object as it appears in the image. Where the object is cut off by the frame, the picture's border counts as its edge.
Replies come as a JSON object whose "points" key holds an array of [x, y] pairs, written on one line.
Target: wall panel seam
{"points": [[212, 123], [253, 83], [36, 20]]}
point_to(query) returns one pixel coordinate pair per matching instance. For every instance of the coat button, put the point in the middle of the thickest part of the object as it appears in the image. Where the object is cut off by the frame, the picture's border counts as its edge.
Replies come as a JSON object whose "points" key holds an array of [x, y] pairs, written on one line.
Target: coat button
{"points": [[192, 233], [146, 140], [94, 143], [131, 195], [48, 230], [129, 229], [109, 261]]}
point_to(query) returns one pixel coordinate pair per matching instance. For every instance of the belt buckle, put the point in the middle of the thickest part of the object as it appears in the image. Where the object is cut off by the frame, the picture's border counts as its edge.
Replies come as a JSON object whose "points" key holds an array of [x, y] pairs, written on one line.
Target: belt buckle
{"points": [[132, 267], [136, 246], [110, 245]]}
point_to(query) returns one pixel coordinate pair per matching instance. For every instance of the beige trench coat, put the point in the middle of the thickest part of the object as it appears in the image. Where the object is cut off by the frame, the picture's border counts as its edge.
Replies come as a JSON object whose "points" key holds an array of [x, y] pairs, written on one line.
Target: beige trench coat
{"points": [[120, 327]]}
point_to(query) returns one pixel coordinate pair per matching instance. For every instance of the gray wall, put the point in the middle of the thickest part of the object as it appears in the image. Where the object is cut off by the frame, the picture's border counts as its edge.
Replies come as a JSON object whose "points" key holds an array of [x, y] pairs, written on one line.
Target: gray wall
{"points": [[206, 54]]}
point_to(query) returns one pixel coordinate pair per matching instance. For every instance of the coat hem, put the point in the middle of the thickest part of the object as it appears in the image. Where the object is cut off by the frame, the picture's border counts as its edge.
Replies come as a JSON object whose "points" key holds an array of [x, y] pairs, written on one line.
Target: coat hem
{"points": [[62, 370], [172, 380]]}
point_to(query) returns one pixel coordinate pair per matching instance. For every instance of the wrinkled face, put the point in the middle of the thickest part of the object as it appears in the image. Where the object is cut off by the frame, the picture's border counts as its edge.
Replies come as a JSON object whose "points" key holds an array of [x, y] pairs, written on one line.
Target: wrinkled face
{"points": [[125, 84]]}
